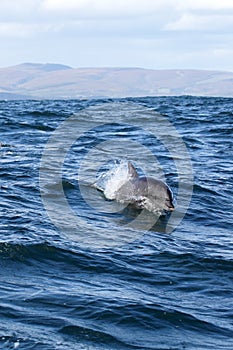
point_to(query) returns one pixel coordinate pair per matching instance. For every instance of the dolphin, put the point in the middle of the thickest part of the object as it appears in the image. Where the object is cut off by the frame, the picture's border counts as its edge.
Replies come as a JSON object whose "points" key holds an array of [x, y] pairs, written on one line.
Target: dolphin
{"points": [[144, 192]]}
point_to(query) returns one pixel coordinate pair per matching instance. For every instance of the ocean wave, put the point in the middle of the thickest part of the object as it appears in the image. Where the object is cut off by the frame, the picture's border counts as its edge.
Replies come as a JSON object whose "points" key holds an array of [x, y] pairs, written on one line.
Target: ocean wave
{"points": [[154, 291]]}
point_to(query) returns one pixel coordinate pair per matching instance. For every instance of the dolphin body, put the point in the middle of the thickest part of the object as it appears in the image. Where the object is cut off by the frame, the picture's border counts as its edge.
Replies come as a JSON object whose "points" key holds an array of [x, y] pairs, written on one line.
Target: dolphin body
{"points": [[144, 193]]}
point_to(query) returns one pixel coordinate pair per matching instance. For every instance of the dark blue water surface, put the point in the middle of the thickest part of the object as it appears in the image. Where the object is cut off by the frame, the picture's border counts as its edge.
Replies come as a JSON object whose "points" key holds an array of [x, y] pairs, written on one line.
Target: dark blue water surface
{"points": [[61, 286]]}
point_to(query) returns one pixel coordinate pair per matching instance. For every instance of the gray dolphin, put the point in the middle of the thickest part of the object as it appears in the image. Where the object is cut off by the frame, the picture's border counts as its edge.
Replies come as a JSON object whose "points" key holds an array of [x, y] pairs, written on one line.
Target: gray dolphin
{"points": [[145, 192]]}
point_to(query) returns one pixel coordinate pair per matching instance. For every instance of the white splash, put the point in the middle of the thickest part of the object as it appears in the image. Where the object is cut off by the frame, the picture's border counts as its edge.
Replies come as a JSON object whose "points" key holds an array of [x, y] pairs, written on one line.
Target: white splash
{"points": [[113, 179]]}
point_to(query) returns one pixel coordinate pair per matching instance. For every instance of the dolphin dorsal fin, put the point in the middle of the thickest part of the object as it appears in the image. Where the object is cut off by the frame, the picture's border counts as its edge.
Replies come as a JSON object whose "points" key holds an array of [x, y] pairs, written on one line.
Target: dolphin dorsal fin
{"points": [[132, 171]]}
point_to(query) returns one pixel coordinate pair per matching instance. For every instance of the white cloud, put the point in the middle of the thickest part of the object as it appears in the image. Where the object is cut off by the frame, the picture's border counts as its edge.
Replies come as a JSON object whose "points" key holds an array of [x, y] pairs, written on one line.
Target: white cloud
{"points": [[132, 8], [26, 30], [210, 5], [20, 10], [147, 33], [105, 8], [15, 30], [204, 23]]}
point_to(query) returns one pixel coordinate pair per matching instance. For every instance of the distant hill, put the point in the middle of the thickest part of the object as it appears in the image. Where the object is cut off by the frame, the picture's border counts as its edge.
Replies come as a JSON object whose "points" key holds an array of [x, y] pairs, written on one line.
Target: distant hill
{"points": [[56, 81]]}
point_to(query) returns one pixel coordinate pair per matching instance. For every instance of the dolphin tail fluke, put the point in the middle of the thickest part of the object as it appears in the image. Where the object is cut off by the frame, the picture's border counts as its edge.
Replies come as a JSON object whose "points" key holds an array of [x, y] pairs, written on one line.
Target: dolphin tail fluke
{"points": [[132, 171]]}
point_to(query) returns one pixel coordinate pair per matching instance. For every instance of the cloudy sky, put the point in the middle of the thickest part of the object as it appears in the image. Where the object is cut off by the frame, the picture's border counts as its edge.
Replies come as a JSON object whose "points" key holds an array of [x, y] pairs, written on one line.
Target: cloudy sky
{"points": [[158, 34]]}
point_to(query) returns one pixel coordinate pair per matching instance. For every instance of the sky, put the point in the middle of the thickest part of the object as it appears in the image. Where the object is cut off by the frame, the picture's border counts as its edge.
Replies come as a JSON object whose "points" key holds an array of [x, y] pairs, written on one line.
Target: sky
{"points": [[155, 34]]}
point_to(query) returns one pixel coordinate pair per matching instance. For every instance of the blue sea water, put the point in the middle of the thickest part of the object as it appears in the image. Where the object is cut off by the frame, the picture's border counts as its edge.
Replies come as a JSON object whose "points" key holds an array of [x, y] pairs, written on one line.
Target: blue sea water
{"points": [[73, 273]]}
